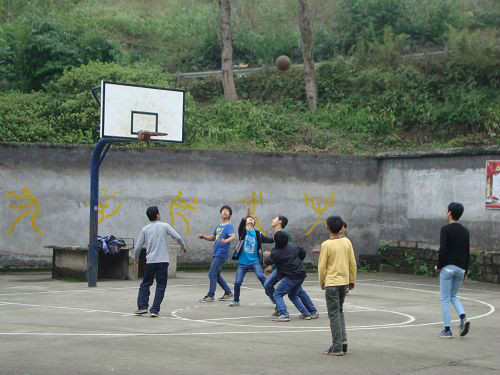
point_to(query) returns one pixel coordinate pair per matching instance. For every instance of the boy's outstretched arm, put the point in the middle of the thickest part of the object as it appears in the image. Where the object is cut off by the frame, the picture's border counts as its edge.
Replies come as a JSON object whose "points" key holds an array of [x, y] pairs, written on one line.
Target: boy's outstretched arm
{"points": [[209, 237]]}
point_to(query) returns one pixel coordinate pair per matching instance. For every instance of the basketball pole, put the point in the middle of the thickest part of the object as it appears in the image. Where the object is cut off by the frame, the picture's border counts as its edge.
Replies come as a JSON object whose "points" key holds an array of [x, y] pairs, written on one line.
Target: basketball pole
{"points": [[122, 116], [98, 155]]}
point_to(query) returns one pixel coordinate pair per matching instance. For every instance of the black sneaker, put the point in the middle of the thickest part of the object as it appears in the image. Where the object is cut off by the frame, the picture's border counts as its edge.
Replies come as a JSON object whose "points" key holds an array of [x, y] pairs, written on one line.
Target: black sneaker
{"points": [[331, 351], [226, 297], [276, 312], [141, 311], [464, 326], [153, 315], [344, 347]]}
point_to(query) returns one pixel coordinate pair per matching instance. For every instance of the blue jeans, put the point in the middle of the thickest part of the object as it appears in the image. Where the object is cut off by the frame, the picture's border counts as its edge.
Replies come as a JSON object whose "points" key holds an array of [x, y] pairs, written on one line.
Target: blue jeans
{"points": [[306, 301], [272, 279], [290, 287], [240, 275], [269, 284], [152, 270], [450, 280], [214, 274]]}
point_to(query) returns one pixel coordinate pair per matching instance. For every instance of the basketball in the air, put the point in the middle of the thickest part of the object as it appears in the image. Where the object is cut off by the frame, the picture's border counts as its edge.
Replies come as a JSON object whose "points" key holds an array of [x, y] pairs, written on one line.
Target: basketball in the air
{"points": [[283, 62]]}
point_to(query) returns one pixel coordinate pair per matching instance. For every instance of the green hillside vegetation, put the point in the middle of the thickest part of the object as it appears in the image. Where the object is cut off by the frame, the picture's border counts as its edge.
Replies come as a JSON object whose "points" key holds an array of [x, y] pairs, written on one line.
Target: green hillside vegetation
{"points": [[371, 97]]}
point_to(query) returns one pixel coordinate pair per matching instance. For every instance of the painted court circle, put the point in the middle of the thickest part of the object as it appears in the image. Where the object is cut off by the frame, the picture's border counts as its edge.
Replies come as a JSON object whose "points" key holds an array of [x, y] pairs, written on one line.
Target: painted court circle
{"points": [[398, 319]]}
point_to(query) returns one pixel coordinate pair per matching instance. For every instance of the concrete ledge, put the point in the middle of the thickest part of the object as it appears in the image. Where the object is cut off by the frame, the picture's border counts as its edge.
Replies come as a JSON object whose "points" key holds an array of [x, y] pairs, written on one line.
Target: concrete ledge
{"points": [[71, 262], [418, 258]]}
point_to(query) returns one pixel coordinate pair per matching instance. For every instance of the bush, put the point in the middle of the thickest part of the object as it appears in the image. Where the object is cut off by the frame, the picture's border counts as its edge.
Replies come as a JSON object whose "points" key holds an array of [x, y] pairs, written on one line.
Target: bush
{"points": [[205, 90], [270, 85], [240, 125], [475, 56], [36, 51], [66, 112], [385, 53], [27, 118]]}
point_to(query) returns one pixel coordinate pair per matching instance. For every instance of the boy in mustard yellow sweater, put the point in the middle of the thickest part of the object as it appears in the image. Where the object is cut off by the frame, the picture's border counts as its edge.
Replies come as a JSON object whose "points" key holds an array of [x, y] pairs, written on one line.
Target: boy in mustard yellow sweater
{"points": [[337, 275]]}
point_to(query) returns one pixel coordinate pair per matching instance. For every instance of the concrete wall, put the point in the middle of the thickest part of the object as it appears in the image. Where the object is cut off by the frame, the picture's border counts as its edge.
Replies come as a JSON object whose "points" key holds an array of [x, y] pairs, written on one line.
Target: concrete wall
{"points": [[416, 191], [44, 193], [52, 184]]}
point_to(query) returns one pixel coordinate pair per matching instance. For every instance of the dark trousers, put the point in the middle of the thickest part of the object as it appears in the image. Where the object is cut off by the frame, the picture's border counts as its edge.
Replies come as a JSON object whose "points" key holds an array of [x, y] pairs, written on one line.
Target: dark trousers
{"points": [[152, 271], [335, 296]]}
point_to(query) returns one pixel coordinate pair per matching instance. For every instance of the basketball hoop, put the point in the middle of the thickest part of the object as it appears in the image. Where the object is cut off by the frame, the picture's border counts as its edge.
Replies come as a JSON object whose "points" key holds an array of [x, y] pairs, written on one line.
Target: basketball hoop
{"points": [[145, 136]]}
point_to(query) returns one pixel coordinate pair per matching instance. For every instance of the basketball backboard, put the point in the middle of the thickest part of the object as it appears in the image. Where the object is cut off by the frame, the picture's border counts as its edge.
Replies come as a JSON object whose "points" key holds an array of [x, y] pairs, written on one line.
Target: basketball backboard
{"points": [[128, 109]]}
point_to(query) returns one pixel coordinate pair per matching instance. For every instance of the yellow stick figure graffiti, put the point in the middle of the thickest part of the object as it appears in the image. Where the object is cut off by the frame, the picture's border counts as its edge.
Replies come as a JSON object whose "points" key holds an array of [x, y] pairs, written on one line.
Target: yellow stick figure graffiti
{"points": [[180, 203], [252, 202], [104, 205], [315, 204], [30, 206]]}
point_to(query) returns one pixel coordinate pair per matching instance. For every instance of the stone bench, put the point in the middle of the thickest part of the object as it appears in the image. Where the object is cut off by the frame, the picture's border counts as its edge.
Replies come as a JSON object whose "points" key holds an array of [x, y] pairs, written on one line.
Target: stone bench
{"points": [[71, 262]]}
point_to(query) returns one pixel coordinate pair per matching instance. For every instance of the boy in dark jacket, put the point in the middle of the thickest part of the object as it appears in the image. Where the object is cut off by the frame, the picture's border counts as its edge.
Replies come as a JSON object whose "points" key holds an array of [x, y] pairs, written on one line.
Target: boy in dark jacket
{"points": [[291, 273]]}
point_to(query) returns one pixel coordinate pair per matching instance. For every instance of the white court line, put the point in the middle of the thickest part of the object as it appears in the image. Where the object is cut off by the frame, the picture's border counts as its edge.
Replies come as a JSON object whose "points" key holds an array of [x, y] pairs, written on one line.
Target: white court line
{"points": [[74, 308], [158, 334], [94, 289], [429, 285], [315, 299], [492, 309], [87, 289], [267, 316], [409, 319]]}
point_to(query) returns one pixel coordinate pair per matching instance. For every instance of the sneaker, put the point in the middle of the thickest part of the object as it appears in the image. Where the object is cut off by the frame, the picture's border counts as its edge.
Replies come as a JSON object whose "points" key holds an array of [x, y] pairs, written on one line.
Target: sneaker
{"points": [[344, 347], [207, 299], [315, 315], [446, 334], [153, 315], [226, 297], [140, 311], [234, 303], [331, 351], [281, 318], [276, 312], [464, 327], [305, 317]]}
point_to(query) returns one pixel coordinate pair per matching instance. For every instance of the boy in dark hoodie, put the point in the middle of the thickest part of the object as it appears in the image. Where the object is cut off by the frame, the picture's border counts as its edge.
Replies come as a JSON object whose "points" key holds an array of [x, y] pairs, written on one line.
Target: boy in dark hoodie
{"points": [[291, 273]]}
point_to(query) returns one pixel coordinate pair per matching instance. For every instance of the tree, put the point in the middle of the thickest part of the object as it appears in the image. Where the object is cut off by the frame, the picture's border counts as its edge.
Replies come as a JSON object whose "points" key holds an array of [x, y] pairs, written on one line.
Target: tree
{"points": [[308, 54], [227, 50]]}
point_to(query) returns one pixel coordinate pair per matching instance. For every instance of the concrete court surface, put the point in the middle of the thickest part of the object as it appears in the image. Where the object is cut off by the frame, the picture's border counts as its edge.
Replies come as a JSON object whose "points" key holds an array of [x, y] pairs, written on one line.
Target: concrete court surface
{"points": [[58, 327]]}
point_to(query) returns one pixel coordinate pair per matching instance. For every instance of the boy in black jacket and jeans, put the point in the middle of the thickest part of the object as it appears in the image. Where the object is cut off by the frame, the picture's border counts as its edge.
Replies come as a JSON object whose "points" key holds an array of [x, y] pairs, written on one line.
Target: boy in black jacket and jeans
{"points": [[291, 271]]}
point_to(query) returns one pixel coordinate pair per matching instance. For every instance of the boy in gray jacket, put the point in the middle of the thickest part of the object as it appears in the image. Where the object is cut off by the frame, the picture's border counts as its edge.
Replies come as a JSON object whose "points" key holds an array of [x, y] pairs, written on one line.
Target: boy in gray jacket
{"points": [[154, 236]]}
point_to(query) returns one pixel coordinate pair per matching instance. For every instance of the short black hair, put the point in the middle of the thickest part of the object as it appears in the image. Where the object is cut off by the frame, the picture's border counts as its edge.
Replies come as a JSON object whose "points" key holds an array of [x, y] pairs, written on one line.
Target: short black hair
{"points": [[456, 210], [280, 239], [284, 221], [344, 224], [228, 208], [152, 213], [334, 224]]}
